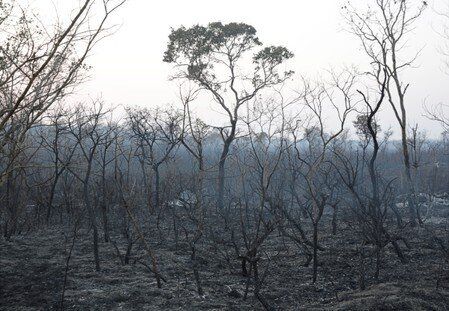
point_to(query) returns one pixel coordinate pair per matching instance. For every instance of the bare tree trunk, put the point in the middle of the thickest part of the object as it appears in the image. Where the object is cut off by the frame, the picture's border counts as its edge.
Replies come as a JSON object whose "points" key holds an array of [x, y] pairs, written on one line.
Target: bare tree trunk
{"points": [[334, 220], [362, 278], [257, 282], [12, 208], [93, 220], [104, 212], [378, 262], [222, 175], [50, 200], [412, 207], [67, 263], [157, 182], [91, 212], [196, 273], [104, 205], [315, 252], [397, 215]]}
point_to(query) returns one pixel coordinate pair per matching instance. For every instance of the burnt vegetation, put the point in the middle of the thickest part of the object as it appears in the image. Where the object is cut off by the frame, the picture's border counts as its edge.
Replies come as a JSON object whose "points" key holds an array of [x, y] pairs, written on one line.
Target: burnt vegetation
{"points": [[297, 200]]}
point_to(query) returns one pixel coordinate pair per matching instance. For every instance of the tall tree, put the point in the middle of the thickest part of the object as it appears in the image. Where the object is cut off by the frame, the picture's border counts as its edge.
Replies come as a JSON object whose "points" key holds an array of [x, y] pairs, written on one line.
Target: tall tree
{"points": [[383, 30], [212, 57]]}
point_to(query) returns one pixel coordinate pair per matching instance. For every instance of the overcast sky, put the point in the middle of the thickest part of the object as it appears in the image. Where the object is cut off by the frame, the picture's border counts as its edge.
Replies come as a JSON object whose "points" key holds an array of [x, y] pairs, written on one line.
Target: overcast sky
{"points": [[128, 67]]}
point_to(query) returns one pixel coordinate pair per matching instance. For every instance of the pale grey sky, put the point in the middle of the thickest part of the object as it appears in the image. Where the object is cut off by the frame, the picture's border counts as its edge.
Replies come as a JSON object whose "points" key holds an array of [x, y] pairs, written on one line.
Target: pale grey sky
{"points": [[128, 67]]}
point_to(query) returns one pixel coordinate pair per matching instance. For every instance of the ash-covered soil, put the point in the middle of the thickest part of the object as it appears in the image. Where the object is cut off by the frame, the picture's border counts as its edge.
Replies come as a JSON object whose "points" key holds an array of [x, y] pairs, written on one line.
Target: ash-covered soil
{"points": [[32, 269]]}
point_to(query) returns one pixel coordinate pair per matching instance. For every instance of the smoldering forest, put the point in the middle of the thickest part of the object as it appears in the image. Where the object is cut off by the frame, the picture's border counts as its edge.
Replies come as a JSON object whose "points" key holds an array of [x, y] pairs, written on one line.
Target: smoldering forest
{"points": [[300, 197]]}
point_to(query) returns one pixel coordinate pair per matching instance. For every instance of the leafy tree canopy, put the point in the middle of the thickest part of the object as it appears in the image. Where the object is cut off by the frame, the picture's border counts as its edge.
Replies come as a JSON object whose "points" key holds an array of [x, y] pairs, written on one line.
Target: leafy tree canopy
{"points": [[200, 49]]}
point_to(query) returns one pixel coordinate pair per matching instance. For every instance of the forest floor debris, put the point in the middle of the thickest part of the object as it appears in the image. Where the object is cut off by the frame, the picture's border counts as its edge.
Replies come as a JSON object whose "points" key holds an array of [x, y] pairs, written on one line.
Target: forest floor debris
{"points": [[32, 272]]}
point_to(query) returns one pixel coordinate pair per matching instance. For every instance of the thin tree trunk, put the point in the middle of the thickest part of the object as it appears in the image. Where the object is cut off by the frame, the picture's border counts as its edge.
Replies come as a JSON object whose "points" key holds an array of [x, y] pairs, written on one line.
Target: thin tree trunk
{"points": [[257, 284], [104, 203], [157, 187], [196, 273], [362, 282], [412, 208], [222, 169], [315, 252], [75, 232], [334, 220], [92, 217]]}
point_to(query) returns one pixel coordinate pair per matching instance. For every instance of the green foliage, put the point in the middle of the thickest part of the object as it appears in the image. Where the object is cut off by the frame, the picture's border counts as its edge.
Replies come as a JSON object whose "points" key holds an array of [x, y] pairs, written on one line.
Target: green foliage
{"points": [[200, 49], [194, 43], [274, 55]]}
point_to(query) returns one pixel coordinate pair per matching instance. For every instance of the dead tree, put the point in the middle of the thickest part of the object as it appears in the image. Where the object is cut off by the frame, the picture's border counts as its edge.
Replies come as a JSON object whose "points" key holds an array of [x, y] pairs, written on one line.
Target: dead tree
{"points": [[60, 151], [373, 197], [316, 189], [258, 204], [88, 130], [126, 185], [105, 159], [382, 31], [157, 134], [194, 135]]}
